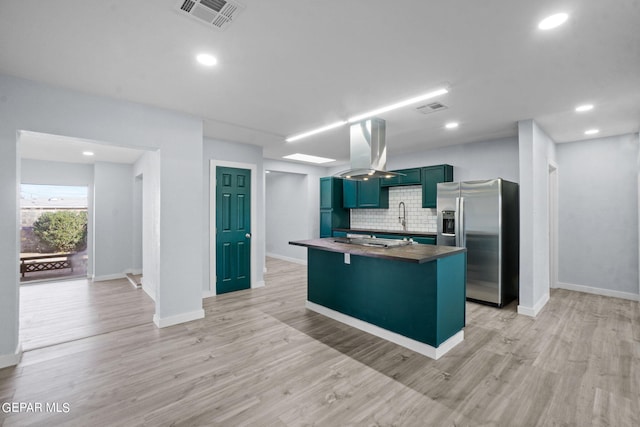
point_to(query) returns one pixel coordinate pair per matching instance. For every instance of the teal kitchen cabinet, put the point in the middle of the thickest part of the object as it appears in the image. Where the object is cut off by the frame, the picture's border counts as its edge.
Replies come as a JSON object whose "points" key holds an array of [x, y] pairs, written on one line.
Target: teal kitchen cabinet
{"points": [[330, 192], [372, 195], [365, 194], [332, 213], [431, 176], [350, 194], [424, 240], [408, 177]]}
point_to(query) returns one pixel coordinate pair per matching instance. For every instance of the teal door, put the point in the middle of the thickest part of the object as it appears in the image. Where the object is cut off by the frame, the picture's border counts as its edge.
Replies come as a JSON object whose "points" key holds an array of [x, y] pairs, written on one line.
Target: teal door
{"points": [[233, 229]]}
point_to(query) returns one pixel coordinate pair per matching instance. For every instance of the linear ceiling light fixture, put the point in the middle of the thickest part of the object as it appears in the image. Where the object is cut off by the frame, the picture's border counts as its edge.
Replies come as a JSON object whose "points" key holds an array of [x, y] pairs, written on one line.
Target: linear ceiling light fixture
{"points": [[360, 117], [315, 131], [397, 105], [308, 158]]}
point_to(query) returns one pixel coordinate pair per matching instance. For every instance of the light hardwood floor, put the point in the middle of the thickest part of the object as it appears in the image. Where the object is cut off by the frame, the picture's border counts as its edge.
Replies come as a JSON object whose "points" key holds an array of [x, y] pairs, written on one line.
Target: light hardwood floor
{"points": [[67, 310], [259, 358]]}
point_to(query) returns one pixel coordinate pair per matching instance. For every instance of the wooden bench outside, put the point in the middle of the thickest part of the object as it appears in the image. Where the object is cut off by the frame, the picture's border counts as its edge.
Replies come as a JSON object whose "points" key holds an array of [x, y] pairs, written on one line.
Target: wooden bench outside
{"points": [[30, 264]]}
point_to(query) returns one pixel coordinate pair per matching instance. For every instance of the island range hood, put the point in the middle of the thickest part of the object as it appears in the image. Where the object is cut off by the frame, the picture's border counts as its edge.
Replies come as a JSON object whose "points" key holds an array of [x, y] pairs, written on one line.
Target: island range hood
{"points": [[368, 151]]}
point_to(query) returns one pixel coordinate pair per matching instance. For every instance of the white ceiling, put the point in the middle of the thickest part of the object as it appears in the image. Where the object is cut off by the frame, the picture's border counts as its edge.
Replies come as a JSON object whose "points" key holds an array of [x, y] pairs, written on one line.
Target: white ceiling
{"points": [[287, 66], [56, 148]]}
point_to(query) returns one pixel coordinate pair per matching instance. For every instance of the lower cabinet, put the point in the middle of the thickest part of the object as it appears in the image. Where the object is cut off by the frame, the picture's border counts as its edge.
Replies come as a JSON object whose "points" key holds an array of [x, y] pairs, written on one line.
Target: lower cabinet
{"points": [[332, 218], [424, 240]]}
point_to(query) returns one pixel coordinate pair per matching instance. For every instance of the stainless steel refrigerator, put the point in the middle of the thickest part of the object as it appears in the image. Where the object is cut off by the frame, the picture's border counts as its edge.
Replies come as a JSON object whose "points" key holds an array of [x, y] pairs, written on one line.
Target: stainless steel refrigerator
{"points": [[483, 216]]}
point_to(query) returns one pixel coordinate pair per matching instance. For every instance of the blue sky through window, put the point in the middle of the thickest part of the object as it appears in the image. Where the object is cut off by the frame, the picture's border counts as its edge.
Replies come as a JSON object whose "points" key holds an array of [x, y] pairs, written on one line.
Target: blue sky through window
{"points": [[36, 191]]}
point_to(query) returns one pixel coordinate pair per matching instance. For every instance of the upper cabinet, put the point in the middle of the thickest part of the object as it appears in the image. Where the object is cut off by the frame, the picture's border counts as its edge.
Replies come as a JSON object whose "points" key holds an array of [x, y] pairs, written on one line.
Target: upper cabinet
{"points": [[330, 192], [431, 176], [332, 214], [365, 194], [372, 195], [408, 177], [350, 194]]}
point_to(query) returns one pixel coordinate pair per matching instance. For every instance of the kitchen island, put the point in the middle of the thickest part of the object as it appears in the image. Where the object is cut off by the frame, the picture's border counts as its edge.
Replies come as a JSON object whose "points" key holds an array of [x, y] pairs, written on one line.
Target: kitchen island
{"points": [[412, 295]]}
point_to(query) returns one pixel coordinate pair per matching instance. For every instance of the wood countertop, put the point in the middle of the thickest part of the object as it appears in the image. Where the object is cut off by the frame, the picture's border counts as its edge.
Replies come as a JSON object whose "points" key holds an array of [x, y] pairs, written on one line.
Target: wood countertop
{"points": [[414, 253]]}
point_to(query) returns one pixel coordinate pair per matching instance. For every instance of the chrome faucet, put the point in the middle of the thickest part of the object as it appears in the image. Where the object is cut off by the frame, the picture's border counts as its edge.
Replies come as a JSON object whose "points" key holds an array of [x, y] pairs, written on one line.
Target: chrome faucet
{"points": [[402, 219]]}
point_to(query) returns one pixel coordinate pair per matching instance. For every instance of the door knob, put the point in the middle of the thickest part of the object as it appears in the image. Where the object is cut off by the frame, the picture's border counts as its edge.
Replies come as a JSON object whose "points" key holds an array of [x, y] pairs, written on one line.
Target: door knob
{"points": [[248, 235]]}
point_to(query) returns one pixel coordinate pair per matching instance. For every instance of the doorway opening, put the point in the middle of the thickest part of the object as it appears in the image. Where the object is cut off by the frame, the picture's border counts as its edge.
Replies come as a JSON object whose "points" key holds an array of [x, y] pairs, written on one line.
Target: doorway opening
{"points": [[53, 232], [102, 300]]}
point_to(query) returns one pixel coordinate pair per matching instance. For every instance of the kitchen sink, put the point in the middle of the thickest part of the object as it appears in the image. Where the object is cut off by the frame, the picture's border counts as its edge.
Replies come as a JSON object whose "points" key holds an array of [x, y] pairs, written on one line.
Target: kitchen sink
{"points": [[372, 241]]}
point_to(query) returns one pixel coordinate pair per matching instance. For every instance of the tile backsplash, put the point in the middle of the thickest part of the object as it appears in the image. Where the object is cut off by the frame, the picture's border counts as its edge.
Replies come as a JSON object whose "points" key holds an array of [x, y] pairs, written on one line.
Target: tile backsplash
{"points": [[418, 218]]}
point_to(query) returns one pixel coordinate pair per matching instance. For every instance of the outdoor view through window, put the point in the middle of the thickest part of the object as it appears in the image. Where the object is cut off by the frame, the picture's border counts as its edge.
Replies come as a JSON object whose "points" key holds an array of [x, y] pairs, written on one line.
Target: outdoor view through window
{"points": [[53, 232]]}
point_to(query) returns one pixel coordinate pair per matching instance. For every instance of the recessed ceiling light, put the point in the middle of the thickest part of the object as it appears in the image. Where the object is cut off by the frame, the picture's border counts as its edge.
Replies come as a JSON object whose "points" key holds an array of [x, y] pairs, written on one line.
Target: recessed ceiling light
{"points": [[591, 131], [583, 108], [206, 59], [553, 21], [452, 125], [87, 153], [308, 158]]}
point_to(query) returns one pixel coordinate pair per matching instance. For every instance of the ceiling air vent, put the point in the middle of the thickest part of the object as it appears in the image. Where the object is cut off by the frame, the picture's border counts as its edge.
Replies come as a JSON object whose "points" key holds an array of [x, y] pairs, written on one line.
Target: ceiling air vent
{"points": [[216, 13], [431, 108]]}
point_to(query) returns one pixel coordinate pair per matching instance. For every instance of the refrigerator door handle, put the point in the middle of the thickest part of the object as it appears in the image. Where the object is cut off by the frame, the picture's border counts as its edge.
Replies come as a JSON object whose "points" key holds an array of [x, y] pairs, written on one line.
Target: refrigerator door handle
{"points": [[460, 236]]}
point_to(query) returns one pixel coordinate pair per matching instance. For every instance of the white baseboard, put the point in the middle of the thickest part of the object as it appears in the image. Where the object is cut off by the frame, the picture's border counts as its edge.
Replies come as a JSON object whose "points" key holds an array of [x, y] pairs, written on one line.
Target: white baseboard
{"points": [[411, 344], [7, 360], [259, 284], [598, 291], [533, 311], [135, 271], [286, 258], [109, 277], [178, 318]]}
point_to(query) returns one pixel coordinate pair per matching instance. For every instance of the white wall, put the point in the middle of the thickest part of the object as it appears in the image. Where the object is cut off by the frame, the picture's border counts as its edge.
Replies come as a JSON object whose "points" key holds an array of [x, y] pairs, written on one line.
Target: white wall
{"points": [[27, 105], [310, 196], [62, 173], [536, 152], [148, 167], [56, 173], [286, 214], [113, 220], [598, 215], [136, 225], [237, 153]]}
